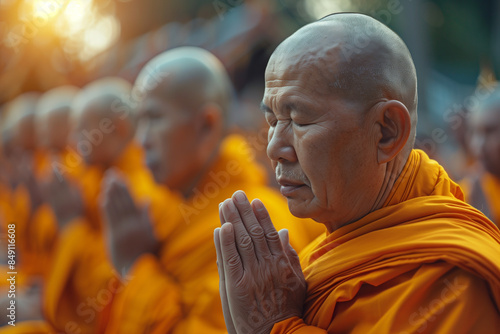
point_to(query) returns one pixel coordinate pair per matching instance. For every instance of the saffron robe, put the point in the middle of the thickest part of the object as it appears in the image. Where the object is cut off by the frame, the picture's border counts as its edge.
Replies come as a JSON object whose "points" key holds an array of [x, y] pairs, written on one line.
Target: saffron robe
{"points": [[426, 262]]}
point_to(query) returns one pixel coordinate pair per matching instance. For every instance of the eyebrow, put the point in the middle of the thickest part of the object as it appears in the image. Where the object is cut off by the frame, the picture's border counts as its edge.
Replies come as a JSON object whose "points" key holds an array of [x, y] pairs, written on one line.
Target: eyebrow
{"points": [[288, 106]]}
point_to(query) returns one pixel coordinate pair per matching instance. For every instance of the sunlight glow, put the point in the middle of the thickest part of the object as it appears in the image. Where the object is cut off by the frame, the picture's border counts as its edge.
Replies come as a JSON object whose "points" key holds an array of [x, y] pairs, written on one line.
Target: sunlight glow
{"points": [[46, 8], [83, 30]]}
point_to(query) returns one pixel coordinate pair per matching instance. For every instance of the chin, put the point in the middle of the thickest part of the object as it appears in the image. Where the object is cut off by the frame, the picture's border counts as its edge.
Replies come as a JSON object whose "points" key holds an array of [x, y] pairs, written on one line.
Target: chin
{"points": [[298, 210]]}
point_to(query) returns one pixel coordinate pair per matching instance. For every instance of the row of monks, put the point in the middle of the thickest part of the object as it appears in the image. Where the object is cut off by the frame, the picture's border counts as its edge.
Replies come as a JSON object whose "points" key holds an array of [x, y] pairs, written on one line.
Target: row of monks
{"points": [[112, 189]]}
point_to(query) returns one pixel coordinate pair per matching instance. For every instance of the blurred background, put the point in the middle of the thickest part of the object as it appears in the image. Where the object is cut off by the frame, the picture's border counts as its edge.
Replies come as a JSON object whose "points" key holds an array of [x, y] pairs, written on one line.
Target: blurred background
{"points": [[455, 45]]}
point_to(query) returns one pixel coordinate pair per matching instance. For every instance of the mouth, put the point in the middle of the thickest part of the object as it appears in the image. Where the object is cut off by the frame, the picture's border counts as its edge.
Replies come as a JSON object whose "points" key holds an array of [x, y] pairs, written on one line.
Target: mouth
{"points": [[289, 187]]}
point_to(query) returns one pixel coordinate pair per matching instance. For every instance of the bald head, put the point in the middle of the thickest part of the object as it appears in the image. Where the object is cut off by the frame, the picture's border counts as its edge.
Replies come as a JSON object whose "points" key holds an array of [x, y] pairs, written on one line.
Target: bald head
{"points": [[184, 97], [52, 117], [107, 97], [18, 128], [354, 57], [190, 77], [102, 123]]}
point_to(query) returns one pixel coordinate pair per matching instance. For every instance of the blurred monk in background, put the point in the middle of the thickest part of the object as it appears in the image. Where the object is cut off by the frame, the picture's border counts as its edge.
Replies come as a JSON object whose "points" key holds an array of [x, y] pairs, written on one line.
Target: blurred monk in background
{"points": [[20, 199], [483, 189], [185, 97], [51, 135], [403, 253], [81, 279]]}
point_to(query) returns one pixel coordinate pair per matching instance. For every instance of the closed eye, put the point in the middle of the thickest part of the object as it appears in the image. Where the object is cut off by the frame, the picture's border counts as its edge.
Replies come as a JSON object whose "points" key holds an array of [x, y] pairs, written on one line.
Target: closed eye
{"points": [[271, 119], [300, 125]]}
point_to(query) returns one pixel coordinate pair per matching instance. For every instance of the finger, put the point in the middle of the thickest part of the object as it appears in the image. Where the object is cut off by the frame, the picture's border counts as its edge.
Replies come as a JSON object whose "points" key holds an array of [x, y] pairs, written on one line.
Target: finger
{"points": [[222, 284], [252, 225], [271, 235], [218, 250], [221, 215], [243, 241], [292, 255], [233, 264]]}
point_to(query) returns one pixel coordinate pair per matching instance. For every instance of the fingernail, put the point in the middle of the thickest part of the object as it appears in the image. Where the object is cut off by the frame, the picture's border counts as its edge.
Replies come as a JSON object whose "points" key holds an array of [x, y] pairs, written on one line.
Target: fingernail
{"points": [[258, 205], [240, 197]]}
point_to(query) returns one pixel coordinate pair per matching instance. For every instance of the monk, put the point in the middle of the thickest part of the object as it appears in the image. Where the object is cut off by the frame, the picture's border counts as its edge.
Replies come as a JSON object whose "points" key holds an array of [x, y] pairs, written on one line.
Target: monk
{"points": [[51, 134], [19, 201], [171, 282], [403, 252], [483, 189], [81, 279], [22, 162]]}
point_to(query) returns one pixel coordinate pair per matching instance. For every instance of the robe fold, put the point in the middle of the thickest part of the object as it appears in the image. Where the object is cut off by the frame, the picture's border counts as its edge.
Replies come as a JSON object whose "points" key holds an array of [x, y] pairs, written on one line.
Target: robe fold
{"points": [[426, 262], [179, 291]]}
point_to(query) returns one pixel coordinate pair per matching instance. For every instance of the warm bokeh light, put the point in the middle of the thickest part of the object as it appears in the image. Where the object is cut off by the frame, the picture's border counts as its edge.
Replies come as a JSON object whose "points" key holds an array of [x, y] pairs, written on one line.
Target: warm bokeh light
{"points": [[46, 8], [82, 28]]}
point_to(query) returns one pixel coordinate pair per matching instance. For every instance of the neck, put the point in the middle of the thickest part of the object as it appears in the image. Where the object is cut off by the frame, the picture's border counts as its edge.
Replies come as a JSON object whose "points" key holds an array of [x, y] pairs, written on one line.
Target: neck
{"points": [[187, 192], [392, 172]]}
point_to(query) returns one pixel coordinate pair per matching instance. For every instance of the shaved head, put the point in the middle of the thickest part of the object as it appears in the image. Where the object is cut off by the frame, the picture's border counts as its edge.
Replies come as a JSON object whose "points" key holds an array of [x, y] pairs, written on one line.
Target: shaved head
{"points": [[341, 103], [102, 121], [189, 77], [107, 96], [355, 57], [52, 117], [184, 96], [18, 128]]}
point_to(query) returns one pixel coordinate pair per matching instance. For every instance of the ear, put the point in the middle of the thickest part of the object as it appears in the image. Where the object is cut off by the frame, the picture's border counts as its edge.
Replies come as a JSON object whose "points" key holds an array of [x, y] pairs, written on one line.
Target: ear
{"points": [[395, 127], [211, 119], [124, 127]]}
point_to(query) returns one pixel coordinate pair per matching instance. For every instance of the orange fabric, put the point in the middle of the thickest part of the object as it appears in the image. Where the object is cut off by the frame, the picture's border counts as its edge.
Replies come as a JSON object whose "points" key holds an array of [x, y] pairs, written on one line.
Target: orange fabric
{"points": [[424, 263], [179, 293], [15, 207], [82, 281]]}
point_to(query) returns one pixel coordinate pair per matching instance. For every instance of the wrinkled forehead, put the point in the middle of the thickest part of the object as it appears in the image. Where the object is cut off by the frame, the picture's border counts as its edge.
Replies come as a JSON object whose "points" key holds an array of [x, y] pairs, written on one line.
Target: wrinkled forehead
{"points": [[309, 59]]}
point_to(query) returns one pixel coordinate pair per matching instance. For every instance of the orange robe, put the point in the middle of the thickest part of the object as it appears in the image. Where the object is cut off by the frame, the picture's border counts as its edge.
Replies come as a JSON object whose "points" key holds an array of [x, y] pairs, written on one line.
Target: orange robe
{"points": [[15, 210], [82, 281], [179, 292], [424, 263]]}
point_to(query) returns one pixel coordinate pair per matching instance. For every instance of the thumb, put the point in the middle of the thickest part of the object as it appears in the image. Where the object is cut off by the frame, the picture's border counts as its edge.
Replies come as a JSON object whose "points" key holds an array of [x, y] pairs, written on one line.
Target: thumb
{"points": [[292, 255]]}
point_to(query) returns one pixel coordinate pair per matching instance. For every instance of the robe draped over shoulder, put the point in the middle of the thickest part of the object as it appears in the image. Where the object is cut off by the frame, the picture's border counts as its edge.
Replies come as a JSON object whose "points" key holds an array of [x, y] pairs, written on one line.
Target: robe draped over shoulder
{"points": [[426, 262]]}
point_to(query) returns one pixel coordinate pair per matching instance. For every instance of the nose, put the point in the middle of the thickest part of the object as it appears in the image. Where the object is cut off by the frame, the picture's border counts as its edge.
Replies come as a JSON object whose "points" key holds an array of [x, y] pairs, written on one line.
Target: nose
{"points": [[143, 134], [280, 144]]}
